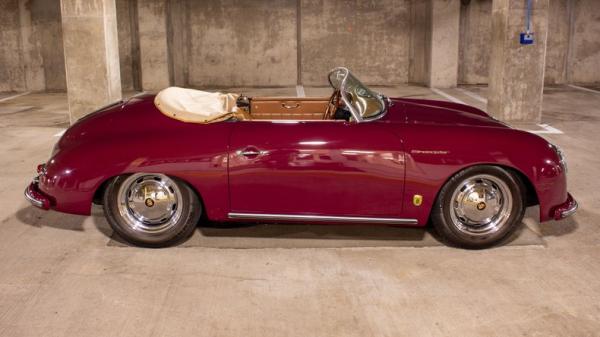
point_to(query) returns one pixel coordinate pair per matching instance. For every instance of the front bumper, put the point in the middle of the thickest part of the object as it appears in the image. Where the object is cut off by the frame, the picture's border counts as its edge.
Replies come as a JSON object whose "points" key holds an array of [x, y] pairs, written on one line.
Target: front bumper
{"points": [[565, 209], [36, 197]]}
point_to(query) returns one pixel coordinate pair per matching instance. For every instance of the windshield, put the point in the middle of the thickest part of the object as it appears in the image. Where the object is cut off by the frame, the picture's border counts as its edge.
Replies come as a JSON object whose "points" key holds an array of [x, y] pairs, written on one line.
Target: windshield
{"points": [[364, 104]]}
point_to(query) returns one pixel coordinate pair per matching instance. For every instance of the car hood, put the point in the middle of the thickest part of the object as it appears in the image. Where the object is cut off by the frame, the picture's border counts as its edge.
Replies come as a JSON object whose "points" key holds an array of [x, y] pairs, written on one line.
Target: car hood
{"points": [[424, 111]]}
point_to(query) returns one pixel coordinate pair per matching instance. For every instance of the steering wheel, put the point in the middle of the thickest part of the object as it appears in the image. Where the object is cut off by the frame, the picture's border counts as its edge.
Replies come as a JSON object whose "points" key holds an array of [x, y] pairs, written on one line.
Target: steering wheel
{"points": [[333, 105]]}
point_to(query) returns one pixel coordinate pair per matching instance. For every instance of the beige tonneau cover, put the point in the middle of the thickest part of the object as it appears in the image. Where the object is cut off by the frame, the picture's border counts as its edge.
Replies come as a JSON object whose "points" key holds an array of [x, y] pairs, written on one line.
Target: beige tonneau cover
{"points": [[195, 106]]}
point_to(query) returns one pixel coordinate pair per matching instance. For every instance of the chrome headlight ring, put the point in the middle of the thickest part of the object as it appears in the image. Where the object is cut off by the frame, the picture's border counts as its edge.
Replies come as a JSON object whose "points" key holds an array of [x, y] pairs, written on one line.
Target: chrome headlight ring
{"points": [[561, 156]]}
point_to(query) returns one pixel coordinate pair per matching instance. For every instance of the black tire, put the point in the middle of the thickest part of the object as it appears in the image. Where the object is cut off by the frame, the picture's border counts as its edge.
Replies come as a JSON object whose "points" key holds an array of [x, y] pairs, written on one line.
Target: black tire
{"points": [[454, 232], [180, 228]]}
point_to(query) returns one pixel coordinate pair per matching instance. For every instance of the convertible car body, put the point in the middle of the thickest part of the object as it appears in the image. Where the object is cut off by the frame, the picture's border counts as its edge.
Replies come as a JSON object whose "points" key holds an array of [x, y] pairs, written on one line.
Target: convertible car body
{"points": [[355, 157]]}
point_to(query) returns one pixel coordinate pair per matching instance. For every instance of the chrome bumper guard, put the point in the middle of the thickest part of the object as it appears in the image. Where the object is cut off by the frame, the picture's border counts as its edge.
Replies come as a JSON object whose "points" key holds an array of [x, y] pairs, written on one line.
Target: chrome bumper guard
{"points": [[566, 209], [35, 196]]}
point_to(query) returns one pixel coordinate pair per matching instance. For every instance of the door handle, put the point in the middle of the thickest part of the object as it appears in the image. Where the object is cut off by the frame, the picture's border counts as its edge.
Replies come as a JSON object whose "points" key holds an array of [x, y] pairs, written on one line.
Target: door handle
{"points": [[250, 152], [283, 105]]}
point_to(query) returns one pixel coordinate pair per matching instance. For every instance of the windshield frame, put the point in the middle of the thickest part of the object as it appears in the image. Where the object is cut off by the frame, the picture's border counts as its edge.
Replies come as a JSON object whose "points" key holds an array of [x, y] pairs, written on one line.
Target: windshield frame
{"points": [[382, 99]]}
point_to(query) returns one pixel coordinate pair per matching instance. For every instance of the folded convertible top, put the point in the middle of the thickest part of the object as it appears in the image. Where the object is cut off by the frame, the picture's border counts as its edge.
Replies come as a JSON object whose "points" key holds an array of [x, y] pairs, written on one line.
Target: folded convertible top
{"points": [[195, 106]]}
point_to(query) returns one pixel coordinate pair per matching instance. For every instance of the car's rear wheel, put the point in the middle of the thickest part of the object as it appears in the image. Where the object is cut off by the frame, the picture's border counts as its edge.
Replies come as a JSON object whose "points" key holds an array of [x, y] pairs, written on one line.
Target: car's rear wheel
{"points": [[479, 207], [151, 209]]}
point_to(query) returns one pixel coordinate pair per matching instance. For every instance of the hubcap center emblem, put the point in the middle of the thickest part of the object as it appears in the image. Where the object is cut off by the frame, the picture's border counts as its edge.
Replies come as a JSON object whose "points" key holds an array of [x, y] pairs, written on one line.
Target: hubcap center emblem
{"points": [[149, 202], [481, 206]]}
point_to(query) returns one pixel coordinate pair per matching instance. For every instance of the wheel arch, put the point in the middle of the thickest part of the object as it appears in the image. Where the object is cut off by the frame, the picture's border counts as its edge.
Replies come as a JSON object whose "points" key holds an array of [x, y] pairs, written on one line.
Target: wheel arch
{"points": [[101, 189], [531, 197]]}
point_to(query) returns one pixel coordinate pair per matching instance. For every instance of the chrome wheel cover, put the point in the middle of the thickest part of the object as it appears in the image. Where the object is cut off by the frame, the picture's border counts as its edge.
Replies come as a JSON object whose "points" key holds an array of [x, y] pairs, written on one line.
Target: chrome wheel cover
{"points": [[481, 205], [149, 204]]}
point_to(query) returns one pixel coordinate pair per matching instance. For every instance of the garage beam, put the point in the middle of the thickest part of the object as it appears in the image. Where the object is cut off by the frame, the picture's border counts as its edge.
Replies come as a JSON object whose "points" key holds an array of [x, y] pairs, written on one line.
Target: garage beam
{"points": [[517, 70], [91, 55]]}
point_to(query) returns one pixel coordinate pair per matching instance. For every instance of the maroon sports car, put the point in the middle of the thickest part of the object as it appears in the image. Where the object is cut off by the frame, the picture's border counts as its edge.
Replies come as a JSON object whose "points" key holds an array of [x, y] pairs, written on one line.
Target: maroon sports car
{"points": [[161, 164]]}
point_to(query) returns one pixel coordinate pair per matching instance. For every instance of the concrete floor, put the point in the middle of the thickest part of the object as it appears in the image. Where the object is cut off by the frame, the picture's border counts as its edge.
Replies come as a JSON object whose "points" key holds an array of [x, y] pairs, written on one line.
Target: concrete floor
{"points": [[63, 275]]}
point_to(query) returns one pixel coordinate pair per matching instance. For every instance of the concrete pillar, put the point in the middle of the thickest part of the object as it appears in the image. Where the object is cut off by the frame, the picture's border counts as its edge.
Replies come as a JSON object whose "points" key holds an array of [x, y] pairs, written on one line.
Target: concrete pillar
{"points": [[517, 71], [154, 49], [179, 37], [33, 63], [434, 38], [445, 33], [11, 66], [91, 55]]}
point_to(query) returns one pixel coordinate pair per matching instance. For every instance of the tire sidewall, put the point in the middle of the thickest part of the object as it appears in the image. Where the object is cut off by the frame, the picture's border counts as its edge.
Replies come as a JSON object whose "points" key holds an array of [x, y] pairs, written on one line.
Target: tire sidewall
{"points": [[183, 229], [443, 220]]}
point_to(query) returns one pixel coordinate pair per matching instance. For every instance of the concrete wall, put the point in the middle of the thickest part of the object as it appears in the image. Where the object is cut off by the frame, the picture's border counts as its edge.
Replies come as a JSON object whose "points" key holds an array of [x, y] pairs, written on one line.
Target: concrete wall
{"points": [[240, 43], [91, 47], [129, 56], [45, 16], [369, 37], [573, 46], [213, 47], [584, 58], [11, 69], [216, 43], [178, 38], [517, 71], [31, 57], [474, 45], [557, 44], [153, 42], [419, 49], [208, 48]]}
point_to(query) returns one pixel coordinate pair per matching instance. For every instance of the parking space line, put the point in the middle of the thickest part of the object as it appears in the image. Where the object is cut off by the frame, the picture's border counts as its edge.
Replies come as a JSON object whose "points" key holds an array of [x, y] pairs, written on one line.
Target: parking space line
{"points": [[547, 130], [15, 96], [447, 96], [300, 90], [473, 95], [583, 88]]}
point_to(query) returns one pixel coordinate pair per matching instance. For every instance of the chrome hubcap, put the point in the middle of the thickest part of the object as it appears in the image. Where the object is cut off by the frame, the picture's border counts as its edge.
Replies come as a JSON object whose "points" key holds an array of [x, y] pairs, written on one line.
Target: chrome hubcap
{"points": [[481, 205], [149, 203]]}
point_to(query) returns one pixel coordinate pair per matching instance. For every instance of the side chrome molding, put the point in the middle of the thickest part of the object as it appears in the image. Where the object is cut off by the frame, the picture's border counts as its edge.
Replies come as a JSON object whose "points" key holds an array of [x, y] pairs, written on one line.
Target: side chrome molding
{"points": [[347, 219]]}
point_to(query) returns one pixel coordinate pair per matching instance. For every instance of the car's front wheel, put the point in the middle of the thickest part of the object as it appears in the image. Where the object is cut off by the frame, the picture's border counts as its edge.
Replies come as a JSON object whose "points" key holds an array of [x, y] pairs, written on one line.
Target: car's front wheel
{"points": [[479, 207], [151, 210]]}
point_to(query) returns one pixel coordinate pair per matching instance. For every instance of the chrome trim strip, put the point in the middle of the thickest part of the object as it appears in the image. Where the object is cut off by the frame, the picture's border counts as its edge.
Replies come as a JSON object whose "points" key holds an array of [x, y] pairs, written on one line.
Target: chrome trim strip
{"points": [[570, 211], [294, 217], [32, 200]]}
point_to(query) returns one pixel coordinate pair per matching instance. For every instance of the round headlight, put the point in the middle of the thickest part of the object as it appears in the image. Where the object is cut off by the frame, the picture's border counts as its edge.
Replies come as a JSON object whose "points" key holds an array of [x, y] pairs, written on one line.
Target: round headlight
{"points": [[561, 156]]}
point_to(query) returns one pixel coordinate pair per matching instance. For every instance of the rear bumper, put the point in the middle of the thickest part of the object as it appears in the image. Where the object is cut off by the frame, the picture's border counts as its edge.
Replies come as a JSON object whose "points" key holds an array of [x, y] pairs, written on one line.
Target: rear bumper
{"points": [[36, 197], [565, 209]]}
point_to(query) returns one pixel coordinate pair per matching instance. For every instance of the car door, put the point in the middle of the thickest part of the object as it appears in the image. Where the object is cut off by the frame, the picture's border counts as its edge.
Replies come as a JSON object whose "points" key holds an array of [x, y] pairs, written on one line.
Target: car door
{"points": [[323, 168]]}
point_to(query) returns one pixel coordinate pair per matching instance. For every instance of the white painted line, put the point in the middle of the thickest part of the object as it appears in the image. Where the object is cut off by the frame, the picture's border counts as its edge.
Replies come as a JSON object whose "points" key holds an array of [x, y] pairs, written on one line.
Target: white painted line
{"points": [[60, 133], [300, 91], [447, 96], [473, 95], [547, 130], [583, 89], [15, 96]]}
